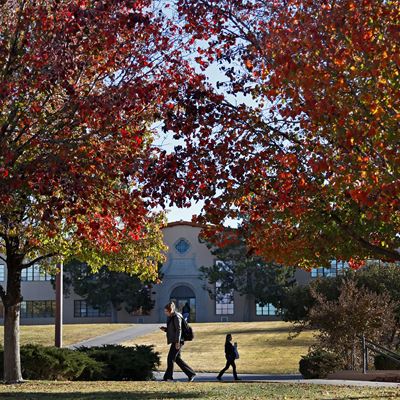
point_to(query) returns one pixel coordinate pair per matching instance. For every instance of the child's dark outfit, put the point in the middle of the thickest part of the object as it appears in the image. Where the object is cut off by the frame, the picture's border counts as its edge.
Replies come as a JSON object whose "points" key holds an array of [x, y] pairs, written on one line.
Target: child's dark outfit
{"points": [[230, 360]]}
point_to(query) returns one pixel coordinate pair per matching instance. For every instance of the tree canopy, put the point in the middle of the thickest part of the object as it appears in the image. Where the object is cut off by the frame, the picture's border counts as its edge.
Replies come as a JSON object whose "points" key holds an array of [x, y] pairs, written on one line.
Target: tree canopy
{"points": [[244, 273], [107, 288], [305, 141], [81, 85]]}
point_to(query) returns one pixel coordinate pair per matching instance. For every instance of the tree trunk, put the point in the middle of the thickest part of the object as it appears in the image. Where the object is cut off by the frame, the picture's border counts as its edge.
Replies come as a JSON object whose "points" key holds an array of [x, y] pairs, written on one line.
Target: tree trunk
{"points": [[12, 303], [114, 314], [248, 308], [12, 359]]}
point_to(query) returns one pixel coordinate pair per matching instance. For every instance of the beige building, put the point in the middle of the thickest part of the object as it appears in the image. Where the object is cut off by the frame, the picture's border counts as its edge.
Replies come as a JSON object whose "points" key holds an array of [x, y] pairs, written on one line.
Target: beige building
{"points": [[181, 283]]}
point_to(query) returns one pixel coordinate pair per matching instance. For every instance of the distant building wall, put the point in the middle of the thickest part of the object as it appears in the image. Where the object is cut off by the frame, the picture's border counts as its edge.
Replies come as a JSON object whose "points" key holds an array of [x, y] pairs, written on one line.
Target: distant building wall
{"points": [[181, 281]]}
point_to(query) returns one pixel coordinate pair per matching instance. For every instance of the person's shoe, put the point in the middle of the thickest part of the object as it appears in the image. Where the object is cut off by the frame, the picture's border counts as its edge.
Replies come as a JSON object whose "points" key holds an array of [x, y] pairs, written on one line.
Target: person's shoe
{"points": [[191, 378], [237, 379], [219, 378], [168, 380]]}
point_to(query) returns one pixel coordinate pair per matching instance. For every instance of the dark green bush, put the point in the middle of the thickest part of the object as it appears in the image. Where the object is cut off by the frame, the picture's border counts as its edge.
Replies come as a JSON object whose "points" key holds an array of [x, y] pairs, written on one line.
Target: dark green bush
{"points": [[39, 362], [382, 362], [123, 363], [318, 364], [97, 363]]}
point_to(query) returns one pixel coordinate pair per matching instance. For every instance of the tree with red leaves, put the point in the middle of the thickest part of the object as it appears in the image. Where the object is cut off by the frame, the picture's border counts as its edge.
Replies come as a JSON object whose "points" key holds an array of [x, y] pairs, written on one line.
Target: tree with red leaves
{"points": [[311, 158], [82, 82]]}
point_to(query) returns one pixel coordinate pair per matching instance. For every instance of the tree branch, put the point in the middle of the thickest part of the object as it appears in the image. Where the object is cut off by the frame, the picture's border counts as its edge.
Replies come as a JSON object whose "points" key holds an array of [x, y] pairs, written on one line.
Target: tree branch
{"points": [[2, 294], [36, 260], [390, 254]]}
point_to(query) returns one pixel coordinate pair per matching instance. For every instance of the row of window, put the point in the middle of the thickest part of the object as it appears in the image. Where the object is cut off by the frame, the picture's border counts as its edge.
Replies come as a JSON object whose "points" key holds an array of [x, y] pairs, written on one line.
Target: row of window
{"points": [[336, 268], [224, 304], [33, 273], [47, 309], [261, 309]]}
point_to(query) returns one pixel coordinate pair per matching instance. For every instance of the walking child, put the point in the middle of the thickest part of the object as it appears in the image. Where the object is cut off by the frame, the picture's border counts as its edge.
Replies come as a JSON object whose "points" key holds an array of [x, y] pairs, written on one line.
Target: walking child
{"points": [[230, 354]]}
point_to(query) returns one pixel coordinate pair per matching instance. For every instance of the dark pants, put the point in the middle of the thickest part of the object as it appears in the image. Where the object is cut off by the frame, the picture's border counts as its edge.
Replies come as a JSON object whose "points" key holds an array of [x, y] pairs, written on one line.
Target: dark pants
{"points": [[229, 363], [175, 355]]}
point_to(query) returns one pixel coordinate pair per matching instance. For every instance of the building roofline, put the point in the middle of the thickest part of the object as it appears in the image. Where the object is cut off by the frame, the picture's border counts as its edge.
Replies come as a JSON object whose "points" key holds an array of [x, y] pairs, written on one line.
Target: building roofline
{"points": [[185, 223]]}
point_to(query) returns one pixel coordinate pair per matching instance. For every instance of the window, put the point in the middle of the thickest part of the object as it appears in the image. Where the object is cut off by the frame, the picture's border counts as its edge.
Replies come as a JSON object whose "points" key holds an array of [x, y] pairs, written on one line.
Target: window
{"points": [[223, 301], [2, 269], [82, 310], [182, 246], [35, 273], [38, 309], [336, 268], [266, 309]]}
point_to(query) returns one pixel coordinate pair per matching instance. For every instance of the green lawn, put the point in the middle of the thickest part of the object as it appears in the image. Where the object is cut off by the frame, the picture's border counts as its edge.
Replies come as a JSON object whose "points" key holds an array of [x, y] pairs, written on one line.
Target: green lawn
{"points": [[263, 346], [40, 390], [73, 333]]}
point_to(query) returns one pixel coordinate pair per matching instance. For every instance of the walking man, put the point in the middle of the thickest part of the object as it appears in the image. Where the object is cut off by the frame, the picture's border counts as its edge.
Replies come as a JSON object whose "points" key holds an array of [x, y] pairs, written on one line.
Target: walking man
{"points": [[174, 338]]}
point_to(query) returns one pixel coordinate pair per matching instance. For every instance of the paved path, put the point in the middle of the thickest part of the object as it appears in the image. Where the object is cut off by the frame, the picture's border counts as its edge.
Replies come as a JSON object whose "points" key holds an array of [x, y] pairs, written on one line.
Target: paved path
{"points": [[119, 336], [294, 378]]}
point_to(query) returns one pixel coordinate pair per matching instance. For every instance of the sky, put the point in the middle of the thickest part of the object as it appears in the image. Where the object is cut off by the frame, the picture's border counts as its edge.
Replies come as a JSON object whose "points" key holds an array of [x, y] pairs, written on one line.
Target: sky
{"points": [[185, 214], [166, 142]]}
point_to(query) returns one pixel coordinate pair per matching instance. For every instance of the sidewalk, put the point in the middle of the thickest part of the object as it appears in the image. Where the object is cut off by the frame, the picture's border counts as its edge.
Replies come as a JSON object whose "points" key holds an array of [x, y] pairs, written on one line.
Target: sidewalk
{"points": [[290, 378], [118, 337]]}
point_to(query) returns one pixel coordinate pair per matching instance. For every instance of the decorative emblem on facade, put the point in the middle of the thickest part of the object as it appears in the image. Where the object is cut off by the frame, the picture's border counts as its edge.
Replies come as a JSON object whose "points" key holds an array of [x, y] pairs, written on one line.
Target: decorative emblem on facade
{"points": [[182, 246]]}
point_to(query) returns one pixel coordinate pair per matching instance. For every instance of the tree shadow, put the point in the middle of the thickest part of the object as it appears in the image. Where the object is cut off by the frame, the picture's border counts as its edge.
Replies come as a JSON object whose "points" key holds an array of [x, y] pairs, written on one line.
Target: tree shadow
{"points": [[234, 331], [374, 397], [121, 395]]}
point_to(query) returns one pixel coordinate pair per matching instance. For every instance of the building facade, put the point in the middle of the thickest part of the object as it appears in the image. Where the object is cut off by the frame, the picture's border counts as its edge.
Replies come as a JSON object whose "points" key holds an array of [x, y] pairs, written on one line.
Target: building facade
{"points": [[181, 282]]}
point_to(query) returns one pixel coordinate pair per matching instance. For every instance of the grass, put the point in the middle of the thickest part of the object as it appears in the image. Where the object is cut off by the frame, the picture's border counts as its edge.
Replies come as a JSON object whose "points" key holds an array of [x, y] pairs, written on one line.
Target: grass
{"points": [[40, 390], [72, 333], [263, 347]]}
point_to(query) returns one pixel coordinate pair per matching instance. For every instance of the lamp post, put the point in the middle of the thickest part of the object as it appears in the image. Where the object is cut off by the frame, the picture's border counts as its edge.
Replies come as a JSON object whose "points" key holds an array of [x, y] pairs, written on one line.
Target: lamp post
{"points": [[59, 305]]}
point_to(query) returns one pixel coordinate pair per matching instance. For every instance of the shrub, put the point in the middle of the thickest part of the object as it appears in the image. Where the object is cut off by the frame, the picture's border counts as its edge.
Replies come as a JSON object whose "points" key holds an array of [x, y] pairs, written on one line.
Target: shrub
{"points": [[97, 363], [382, 362], [123, 363], [318, 364], [340, 322], [39, 362]]}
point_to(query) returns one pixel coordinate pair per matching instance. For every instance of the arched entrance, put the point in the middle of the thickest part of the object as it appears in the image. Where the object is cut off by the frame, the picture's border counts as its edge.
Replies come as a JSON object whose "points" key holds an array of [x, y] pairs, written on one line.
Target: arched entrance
{"points": [[182, 295]]}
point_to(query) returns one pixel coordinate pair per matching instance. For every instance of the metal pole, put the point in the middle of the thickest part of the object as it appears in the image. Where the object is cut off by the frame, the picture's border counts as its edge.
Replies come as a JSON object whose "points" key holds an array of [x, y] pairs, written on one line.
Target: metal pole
{"points": [[59, 305], [364, 351]]}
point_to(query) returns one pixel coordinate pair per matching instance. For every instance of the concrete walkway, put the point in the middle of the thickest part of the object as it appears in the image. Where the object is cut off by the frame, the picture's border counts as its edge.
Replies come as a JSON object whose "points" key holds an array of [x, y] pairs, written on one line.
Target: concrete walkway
{"points": [[119, 336], [290, 378]]}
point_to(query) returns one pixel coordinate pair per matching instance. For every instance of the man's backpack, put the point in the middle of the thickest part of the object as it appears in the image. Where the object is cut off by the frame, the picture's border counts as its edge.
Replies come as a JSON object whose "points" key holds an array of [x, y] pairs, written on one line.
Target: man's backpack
{"points": [[187, 331]]}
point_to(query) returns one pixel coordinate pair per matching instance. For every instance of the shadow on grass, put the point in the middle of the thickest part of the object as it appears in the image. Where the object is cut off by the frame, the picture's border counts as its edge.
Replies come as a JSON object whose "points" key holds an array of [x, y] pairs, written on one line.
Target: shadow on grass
{"points": [[242, 331], [260, 330], [374, 397], [122, 395]]}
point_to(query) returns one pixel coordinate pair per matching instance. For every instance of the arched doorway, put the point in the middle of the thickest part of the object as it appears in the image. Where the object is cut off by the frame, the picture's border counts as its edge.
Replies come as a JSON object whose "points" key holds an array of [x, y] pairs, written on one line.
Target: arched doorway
{"points": [[182, 295]]}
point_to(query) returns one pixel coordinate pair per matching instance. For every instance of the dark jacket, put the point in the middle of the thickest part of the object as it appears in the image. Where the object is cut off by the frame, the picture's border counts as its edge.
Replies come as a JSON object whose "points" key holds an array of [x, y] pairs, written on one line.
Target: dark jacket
{"points": [[174, 329], [229, 351]]}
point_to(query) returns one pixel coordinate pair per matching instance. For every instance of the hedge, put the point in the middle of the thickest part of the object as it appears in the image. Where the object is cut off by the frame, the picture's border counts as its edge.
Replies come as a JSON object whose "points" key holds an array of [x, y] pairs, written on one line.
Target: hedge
{"points": [[96, 363], [318, 364]]}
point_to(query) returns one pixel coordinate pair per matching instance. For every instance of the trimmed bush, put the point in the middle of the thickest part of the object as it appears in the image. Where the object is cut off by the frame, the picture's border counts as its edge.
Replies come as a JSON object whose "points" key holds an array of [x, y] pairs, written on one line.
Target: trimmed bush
{"points": [[382, 362], [123, 363], [40, 362], [318, 364], [97, 363]]}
